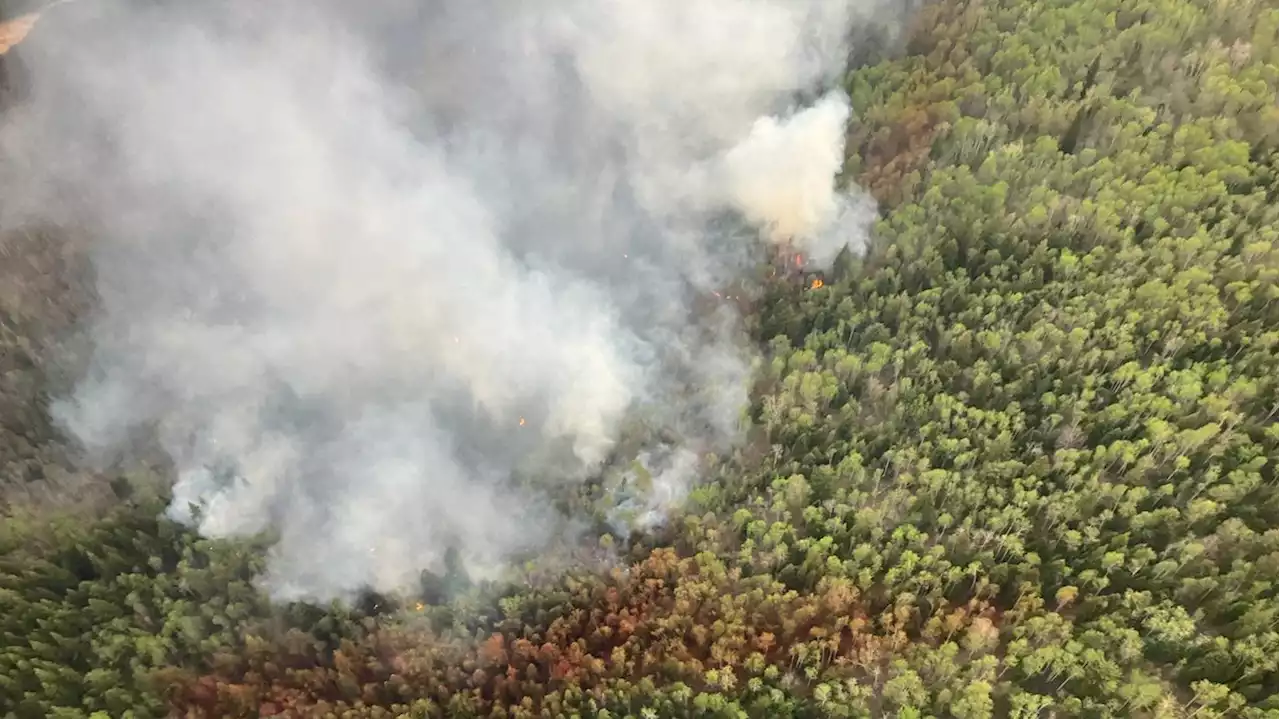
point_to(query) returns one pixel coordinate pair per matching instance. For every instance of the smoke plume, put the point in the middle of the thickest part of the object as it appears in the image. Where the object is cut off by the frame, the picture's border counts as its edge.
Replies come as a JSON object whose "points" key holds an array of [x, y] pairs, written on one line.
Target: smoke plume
{"points": [[382, 280]]}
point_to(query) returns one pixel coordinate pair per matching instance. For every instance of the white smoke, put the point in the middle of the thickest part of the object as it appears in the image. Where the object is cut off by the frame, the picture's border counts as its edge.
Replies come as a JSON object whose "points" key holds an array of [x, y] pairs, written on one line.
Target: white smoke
{"points": [[804, 151], [361, 269]]}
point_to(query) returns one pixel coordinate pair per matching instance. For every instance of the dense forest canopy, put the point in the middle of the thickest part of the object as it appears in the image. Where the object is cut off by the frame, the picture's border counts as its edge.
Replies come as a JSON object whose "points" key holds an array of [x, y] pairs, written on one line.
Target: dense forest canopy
{"points": [[1015, 459]]}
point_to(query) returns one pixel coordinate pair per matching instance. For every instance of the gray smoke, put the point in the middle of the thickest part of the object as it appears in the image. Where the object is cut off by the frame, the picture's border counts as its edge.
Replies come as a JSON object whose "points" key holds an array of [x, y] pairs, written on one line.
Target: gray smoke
{"points": [[383, 280]]}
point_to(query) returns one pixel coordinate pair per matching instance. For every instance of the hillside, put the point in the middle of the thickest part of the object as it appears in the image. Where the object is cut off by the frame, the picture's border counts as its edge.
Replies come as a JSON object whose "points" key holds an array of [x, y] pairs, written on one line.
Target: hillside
{"points": [[1018, 459]]}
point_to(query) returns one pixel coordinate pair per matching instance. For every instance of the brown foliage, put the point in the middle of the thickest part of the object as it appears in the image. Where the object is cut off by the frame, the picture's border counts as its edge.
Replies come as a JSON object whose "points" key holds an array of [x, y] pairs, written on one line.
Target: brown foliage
{"points": [[666, 618]]}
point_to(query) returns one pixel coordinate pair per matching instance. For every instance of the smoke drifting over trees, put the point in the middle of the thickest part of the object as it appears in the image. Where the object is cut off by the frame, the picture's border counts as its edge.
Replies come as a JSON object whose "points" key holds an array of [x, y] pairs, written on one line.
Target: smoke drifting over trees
{"points": [[360, 272]]}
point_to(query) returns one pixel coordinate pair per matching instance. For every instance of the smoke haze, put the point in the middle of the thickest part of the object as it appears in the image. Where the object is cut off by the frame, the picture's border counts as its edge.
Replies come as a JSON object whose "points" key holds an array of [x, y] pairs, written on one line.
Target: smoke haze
{"points": [[378, 277]]}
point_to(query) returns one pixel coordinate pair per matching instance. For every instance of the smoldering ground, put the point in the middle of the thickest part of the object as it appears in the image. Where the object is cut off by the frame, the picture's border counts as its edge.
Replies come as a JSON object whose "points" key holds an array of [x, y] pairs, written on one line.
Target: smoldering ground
{"points": [[361, 269]]}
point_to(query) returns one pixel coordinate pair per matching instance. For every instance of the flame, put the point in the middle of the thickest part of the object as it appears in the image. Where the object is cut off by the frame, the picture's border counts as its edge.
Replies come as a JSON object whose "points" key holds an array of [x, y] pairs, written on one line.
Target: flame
{"points": [[799, 260], [522, 421], [816, 284], [419, 606], [15, 31]]}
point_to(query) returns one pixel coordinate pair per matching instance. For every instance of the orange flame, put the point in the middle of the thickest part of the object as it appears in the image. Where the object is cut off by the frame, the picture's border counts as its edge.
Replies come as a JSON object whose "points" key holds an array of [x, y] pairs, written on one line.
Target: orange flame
{"points": [[15, 31], [522, 421], [816, 284]]}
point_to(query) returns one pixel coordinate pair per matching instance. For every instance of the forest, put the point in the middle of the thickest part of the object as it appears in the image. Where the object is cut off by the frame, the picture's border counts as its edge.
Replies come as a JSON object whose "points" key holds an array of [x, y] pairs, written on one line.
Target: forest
{"points": [[1017, 459]]}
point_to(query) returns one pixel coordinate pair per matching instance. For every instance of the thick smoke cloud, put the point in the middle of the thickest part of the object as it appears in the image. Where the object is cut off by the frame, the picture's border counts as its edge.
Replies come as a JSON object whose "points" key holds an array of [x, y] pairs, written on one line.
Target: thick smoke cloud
{"points": [[379, 277]]}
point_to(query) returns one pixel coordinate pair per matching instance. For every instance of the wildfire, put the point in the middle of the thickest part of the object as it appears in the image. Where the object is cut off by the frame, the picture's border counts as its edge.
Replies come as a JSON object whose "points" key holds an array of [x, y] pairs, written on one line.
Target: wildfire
{"points": [[419, 606], [15, 31], [522, 421], [816, 283]]}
